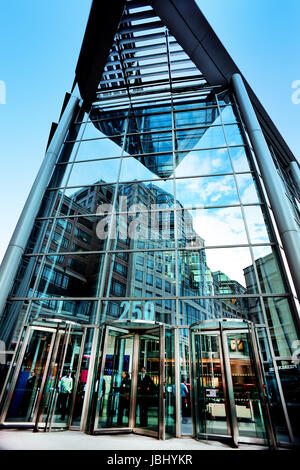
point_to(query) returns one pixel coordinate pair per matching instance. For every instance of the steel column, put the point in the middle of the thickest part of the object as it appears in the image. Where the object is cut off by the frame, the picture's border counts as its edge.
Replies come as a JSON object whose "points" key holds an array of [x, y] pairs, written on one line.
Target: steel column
{"points": [[294, 167], [25, 223], [282, 210]]}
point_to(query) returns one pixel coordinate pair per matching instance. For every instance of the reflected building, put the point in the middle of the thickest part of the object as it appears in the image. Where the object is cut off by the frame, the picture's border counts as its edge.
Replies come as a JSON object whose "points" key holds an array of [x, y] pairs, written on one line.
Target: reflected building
{"points": [[153, 239]]}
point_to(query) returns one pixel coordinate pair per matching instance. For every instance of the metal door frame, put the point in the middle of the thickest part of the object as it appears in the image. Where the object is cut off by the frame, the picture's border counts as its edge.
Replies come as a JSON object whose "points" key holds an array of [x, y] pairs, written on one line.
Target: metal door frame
{"points": [[98, 387], [133, 329], [222, 330], [60, 366], [60, 328], [12, 385], [194, 405]]}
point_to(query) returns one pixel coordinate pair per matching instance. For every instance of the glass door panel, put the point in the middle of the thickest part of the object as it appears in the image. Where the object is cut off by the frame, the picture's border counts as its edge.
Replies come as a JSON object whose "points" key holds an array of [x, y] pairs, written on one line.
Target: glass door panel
{"points": [[209, 386], [169, 392], [49, 394], [148, 383], [22, 407], [245, 386], [65, 380], [185, 386], [114, 392]]}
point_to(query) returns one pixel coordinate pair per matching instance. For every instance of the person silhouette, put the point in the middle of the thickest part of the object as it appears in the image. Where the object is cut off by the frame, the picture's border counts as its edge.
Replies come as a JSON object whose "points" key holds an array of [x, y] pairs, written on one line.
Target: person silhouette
{"points": [[124, 396], [145, 390]]}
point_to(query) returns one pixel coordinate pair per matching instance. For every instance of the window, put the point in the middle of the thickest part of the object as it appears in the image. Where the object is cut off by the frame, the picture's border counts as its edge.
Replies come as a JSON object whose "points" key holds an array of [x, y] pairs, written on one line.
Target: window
{"points": [[81, 235], [150, 263], [64, 224], [118, 288], [158, 283], [114, 309], [138, 292], [167, 286], [140, 260], [149, 279], [77, 266], [86, 222], [120, 269], [60, 240], [139, 275]]}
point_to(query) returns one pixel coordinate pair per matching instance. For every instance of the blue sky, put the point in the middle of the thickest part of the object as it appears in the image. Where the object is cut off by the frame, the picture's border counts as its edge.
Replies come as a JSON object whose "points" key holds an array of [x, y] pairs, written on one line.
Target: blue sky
{"points": [[40, 43]]}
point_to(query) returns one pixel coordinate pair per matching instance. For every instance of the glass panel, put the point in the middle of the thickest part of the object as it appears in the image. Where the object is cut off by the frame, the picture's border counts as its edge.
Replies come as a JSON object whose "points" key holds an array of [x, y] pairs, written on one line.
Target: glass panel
{"points": [[185, 386], [100, 148], [86, 173], [248, 189], [289, 373], [147, 412], [75, 234], [203, 162], [282, 327], [276, 410], [70, 276], [115, 385], [268, 270], [170, 412], [245, 387], [52, 382], [82, 379], [239, 159], [257, 225], [151, 272], [153, 309], [210, 191], [78, 310], [25, 394], [205, 138], [195, 117], [209, 385], [67, 382], [233, 135], [212, 272], [211, 227], [149, 143], [85, 201], [25, 278], [228, 115], [147, 167]]}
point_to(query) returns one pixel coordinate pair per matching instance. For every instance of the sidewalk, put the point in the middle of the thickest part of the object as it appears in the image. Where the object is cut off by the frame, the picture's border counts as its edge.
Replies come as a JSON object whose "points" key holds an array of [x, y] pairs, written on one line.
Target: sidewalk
{"points": [[73, 440]]}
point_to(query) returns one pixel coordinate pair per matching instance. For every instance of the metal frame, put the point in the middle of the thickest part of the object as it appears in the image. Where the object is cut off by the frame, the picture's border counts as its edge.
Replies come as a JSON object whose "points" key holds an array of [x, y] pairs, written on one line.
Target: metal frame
{"points": [[222, 331], [133, 328], [15, 377], [39, 402]]}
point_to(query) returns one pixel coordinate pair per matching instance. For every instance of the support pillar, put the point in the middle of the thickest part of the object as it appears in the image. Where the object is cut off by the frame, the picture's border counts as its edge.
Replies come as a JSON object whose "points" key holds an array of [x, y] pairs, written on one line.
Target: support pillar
{"points": [[282, 210], [19, 239]]}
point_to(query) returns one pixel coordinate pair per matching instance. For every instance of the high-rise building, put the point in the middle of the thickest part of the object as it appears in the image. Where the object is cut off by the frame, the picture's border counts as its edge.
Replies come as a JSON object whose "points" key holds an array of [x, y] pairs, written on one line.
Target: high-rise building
{"points": [[151, 283]]}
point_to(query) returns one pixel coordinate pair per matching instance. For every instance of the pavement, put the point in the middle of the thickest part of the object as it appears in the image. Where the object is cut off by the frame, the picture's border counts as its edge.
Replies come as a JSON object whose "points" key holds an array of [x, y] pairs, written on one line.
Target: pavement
{"points": [[12, 439]]}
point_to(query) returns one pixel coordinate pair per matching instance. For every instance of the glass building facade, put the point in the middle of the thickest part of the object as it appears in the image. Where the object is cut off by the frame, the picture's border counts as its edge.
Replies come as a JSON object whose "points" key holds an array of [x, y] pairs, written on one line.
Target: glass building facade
{"points": [[156, 246]]}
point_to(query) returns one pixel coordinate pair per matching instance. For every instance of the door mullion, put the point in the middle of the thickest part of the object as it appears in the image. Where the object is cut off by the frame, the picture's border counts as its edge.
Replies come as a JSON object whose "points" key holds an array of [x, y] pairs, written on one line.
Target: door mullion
{"points": [[59, 371], [83, 337], [260, 380], [231, 414], [98, 383], [50, 360], [161, 421], [134, 379]]}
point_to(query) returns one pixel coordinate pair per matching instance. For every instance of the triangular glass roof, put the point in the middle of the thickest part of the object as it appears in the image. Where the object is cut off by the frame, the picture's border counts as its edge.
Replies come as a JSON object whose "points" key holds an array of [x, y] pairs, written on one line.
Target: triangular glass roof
{"points": [[145, 65], [144, 54]]}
